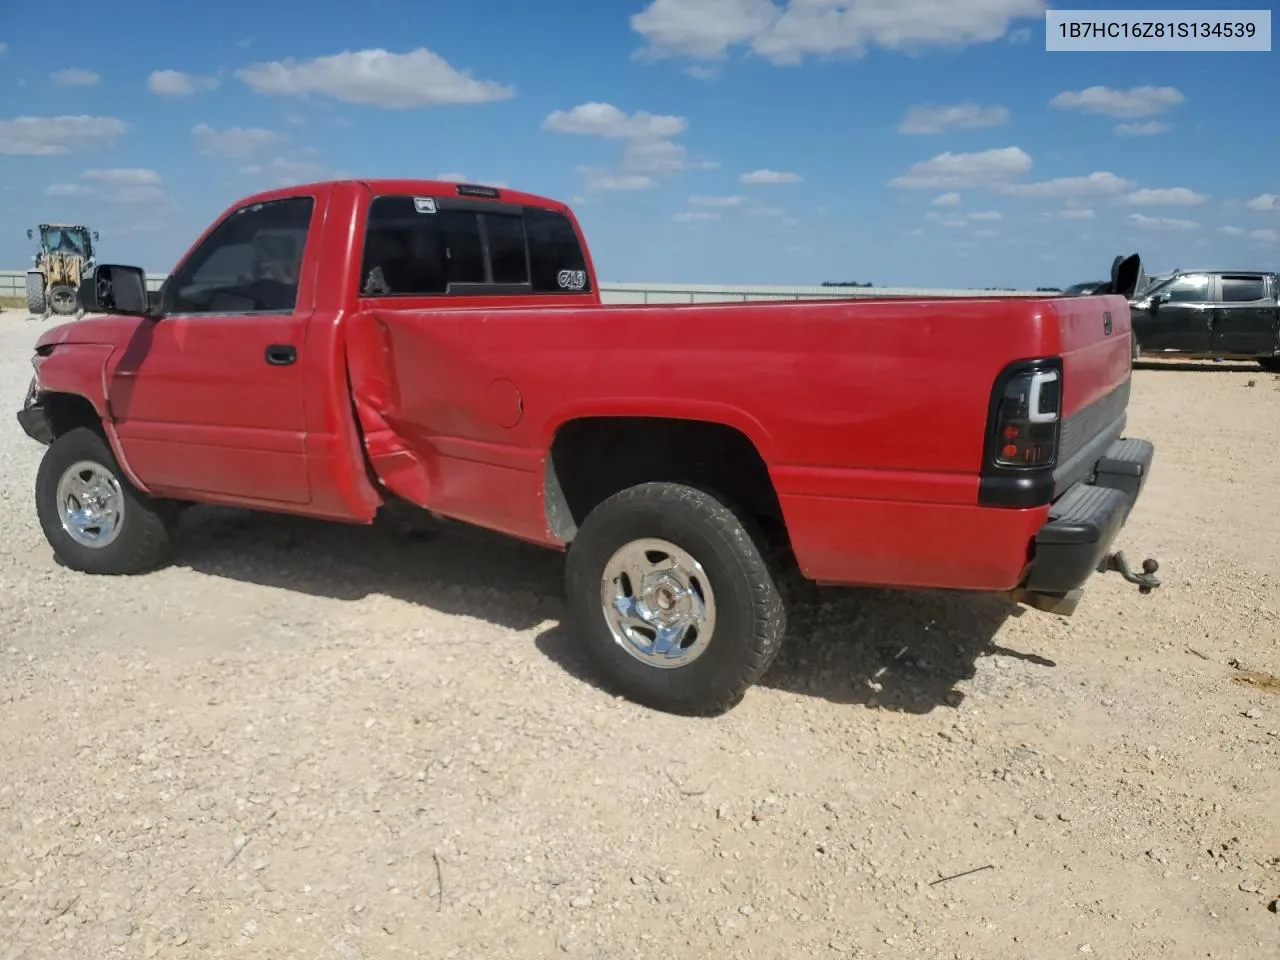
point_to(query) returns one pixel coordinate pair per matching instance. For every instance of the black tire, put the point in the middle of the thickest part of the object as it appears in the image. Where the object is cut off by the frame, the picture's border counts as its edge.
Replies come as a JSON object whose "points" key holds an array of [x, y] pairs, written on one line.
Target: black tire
{"points": [[35, 294], [750, 620], [1270, 364], [62, 299], [146, 528]]}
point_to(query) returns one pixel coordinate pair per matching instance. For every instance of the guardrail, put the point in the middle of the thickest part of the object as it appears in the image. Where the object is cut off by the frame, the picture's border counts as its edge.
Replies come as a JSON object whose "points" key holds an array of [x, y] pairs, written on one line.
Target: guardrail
{"points": [[13, 286]]}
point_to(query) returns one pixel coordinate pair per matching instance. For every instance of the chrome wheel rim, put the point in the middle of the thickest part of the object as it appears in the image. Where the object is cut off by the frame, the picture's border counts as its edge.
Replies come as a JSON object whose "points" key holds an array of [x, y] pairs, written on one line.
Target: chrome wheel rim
{"points": [[90, 504], [658, 603]]}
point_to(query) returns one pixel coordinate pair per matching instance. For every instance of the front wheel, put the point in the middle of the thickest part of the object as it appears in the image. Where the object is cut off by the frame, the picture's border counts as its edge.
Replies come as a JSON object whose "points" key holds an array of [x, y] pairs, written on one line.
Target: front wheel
{"points": [[95, 520], [36, 300], [671, 599], [62, 299]]}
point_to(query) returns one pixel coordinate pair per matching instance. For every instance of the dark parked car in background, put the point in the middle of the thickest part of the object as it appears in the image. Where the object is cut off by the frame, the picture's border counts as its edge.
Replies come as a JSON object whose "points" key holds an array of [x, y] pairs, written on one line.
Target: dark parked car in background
{"points": [[1227, 314]]}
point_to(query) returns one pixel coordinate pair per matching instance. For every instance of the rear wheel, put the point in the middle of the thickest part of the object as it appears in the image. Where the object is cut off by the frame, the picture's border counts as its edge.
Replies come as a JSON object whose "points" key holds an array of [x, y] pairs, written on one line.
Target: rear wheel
{"points": [[671, 600], [35, 294], [95, 520], [62, 299]]}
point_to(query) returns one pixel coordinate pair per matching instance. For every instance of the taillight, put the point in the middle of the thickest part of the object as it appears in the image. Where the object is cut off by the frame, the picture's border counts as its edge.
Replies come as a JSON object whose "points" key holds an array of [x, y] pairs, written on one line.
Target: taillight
{"points": [[1023, 430], [1026, 420]]}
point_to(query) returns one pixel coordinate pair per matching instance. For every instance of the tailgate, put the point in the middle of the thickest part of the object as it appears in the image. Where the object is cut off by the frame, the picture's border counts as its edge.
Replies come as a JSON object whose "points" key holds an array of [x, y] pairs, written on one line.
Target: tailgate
{"points": [[1096, 349]]}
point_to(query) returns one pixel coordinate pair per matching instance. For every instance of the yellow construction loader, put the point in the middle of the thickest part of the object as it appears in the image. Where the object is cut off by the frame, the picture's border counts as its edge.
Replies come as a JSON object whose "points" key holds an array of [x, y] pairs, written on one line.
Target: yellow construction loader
{"points": [[64, 256]]}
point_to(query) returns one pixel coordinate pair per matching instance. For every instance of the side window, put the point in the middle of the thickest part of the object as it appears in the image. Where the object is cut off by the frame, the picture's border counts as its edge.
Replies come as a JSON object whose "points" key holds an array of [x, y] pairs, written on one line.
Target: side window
{"points": [[1243, 289], [1193, 288], [249, 264], [556, 263]]}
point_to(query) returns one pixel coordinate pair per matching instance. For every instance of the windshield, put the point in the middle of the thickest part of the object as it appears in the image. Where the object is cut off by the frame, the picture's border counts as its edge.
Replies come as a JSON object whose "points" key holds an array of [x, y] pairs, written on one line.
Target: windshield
{"points": [[1155, 286], [65, 240]]}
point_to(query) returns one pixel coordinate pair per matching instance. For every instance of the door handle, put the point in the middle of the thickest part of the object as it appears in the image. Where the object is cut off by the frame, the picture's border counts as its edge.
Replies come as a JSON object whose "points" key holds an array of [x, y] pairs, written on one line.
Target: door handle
{"points": [[281, 354]]}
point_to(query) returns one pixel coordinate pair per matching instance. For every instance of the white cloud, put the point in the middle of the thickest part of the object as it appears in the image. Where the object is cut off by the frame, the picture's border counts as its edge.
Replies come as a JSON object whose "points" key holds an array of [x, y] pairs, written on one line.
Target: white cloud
{"points": [[965, 169], [49, 136], [1142, 128], [1069, 213], [695, 216], [1098, 184], [235, 143], [703, 201], [985, 215], [121, 188], [1161, 223], [4, 48], [603, 180], [758, 177], [765, 211], [649, 149], [785, 34], [954, 222], [660, 156], [605, 120], [75, 77], [1264, 202], [1230, 231], [986, 234], [960, 116], [702, 29], [1167, 197], [127, 176], [453, 177], [699, 72], [175, 83], [948, 200], [395, 81], [1125, 104], [1265, 236], [283, 172]]}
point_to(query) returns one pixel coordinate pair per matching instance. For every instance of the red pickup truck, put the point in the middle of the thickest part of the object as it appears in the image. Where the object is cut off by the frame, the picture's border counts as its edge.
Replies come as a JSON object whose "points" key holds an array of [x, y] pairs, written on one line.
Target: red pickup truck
{"points": [[333, 348]]}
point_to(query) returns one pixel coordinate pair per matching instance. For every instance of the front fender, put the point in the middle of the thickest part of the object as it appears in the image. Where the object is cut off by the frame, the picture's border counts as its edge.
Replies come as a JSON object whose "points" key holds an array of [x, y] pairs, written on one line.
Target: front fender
{"points": [[76, 370]]}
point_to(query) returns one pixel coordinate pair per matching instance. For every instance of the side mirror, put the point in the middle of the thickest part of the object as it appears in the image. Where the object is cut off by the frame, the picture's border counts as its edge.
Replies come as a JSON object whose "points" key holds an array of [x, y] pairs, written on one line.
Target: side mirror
{"points": [[112, 288]]}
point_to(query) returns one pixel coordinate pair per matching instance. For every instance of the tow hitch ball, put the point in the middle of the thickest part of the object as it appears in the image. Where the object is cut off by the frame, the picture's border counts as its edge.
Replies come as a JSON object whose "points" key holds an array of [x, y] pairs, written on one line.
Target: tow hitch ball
{"points": [[1146, 580]]}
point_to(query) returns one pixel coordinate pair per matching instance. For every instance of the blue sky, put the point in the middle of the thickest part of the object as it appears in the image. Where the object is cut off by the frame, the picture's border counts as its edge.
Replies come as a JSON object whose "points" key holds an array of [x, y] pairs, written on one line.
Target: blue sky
{"points": [[910, 142]]}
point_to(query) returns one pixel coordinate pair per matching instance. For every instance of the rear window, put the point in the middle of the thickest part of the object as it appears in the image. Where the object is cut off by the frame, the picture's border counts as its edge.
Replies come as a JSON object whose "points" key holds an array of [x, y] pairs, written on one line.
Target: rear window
{"points": [[1243, 289], [420, 246]]}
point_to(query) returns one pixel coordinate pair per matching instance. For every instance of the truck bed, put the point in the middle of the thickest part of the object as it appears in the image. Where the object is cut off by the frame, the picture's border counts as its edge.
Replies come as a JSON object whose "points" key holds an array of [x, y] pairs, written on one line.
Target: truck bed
{"points": [[840, 398]]}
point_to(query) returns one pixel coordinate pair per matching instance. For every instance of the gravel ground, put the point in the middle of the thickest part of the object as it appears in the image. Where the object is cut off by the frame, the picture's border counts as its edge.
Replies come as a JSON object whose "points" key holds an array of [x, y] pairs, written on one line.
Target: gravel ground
{"points": [[308, 740]]}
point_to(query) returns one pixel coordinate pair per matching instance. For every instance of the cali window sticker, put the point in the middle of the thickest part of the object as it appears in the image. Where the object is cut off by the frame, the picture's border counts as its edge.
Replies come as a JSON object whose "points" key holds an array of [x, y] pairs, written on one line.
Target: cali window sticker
{"points": [[424, 204], [571, 279]]}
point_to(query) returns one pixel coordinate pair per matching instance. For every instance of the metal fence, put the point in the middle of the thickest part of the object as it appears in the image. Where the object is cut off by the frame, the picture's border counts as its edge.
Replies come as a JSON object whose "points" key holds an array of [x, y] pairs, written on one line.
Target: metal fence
{"points": [[13, 286]]}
